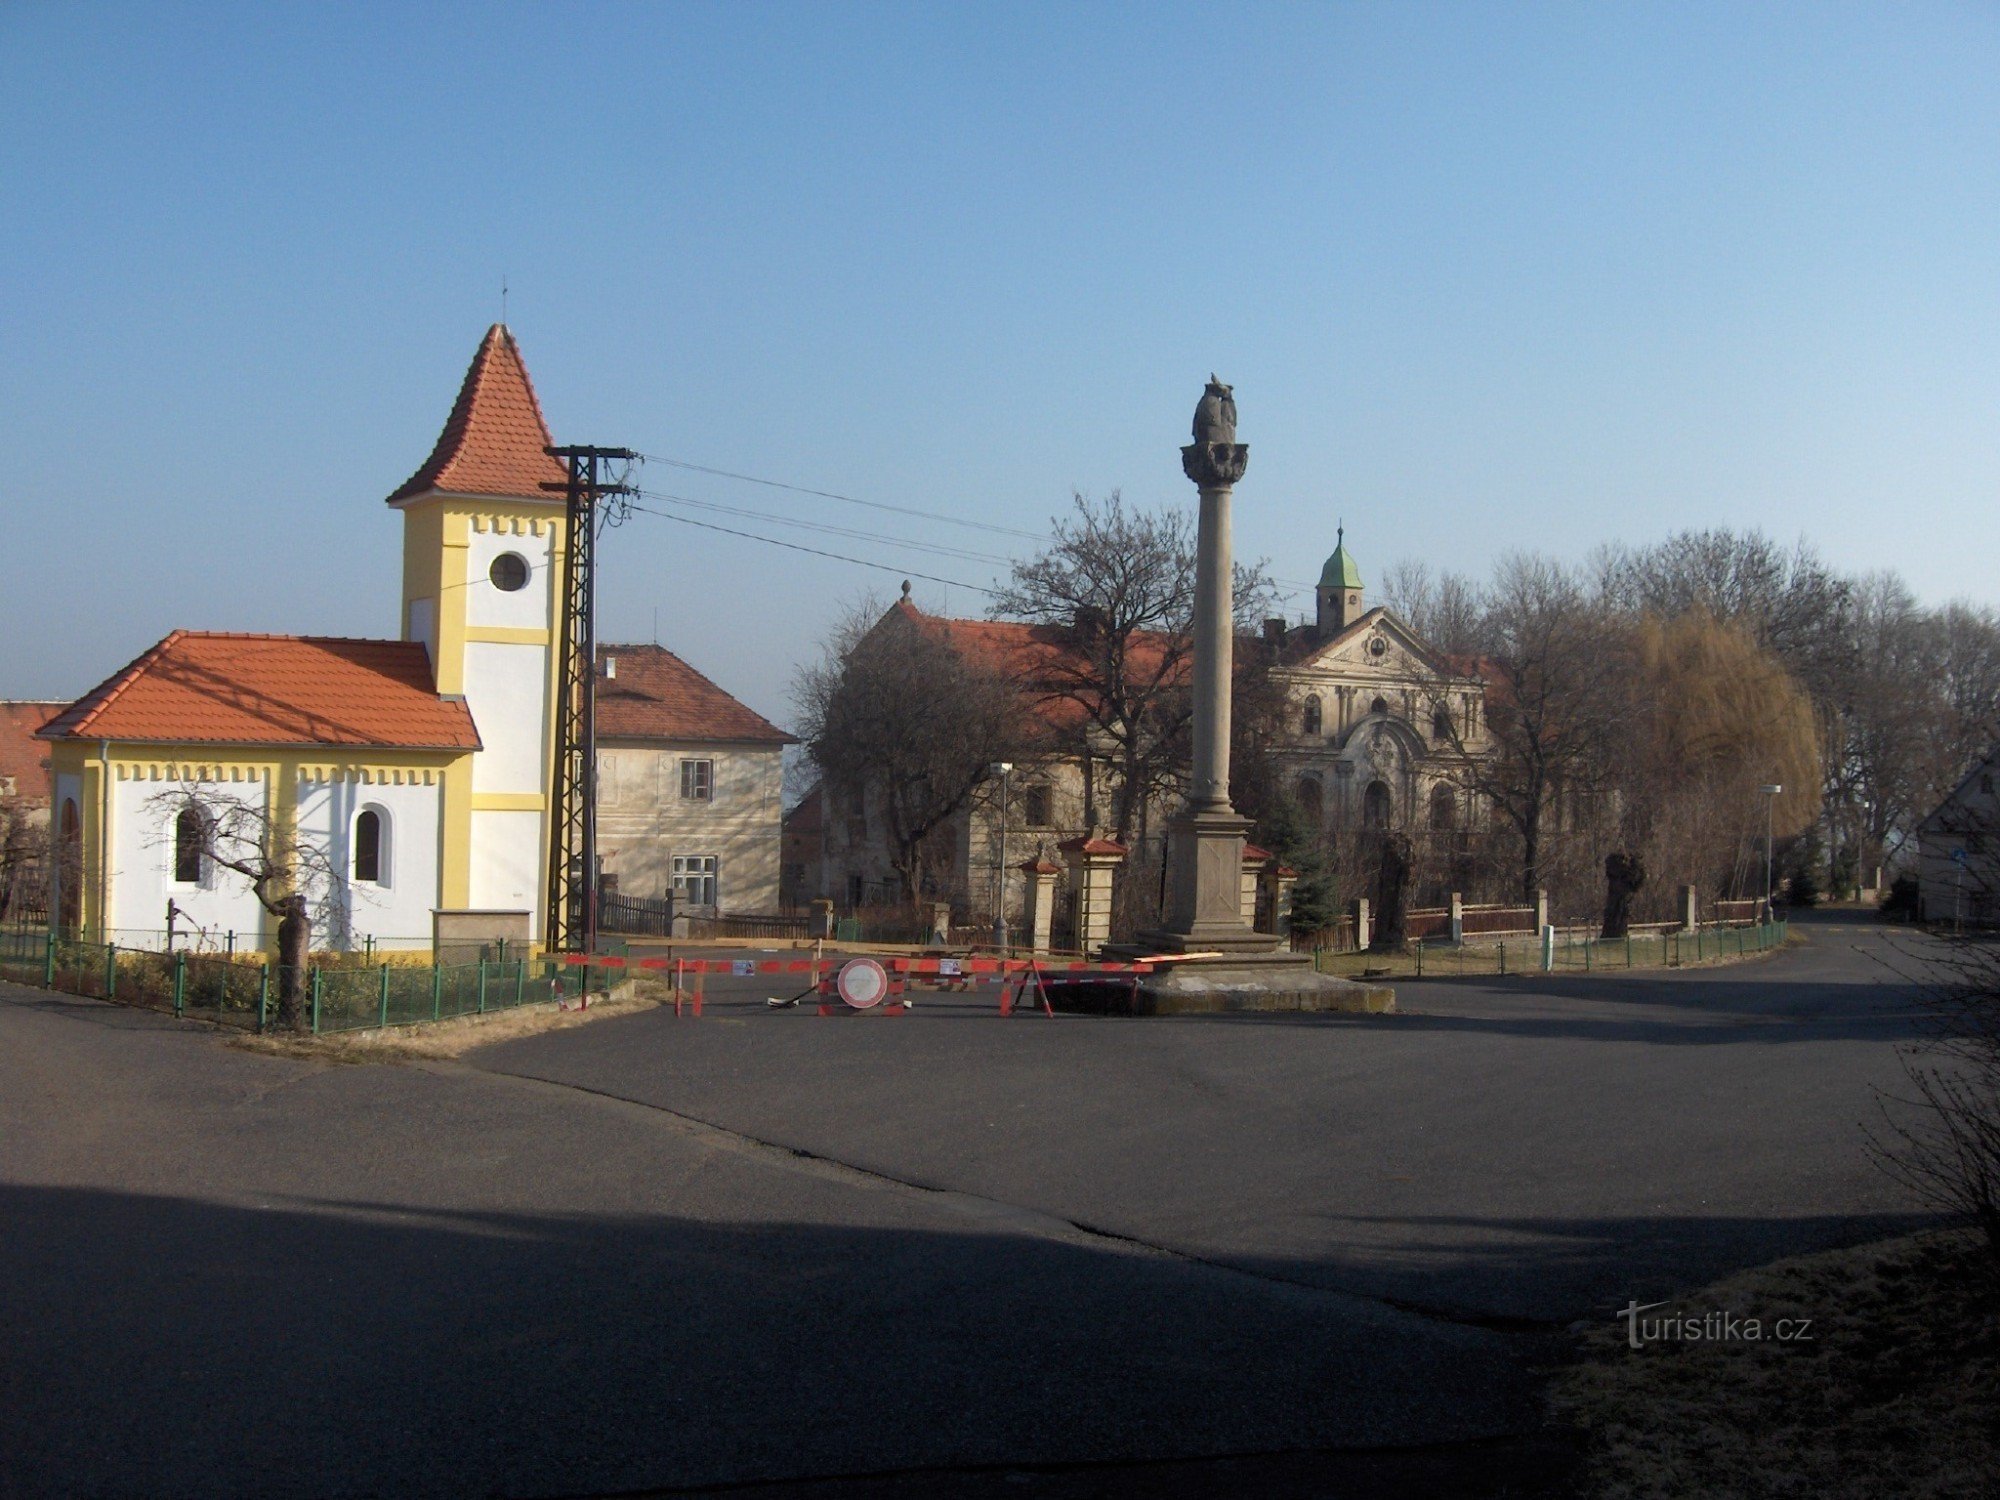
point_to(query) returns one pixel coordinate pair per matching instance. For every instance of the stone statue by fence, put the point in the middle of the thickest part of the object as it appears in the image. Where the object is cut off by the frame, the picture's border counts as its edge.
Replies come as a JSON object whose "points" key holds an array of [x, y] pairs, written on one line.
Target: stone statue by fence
{"points": [[1392, 880], [1624, 876]]}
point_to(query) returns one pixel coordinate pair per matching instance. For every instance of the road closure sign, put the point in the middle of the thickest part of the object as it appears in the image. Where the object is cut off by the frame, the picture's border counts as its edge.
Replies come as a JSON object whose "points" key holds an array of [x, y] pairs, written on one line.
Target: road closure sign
{"points": [[862, 983]]}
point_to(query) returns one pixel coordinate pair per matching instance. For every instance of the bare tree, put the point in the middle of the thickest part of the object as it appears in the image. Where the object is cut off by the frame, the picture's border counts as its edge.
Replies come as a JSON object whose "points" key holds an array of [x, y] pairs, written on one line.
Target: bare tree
{"points": [[1121, 582], [1443, 609], [905, 725], [1552, 654], [24, 851], [286, 874]]}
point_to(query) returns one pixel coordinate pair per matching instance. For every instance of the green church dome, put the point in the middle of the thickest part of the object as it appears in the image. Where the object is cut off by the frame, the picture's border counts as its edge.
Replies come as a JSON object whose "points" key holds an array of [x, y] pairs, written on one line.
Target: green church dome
{"points": [[1340, 572]]}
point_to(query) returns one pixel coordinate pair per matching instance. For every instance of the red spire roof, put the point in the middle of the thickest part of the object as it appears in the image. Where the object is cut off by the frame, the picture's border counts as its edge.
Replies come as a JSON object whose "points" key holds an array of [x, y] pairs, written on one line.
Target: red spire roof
{"points": [[495, 441]]}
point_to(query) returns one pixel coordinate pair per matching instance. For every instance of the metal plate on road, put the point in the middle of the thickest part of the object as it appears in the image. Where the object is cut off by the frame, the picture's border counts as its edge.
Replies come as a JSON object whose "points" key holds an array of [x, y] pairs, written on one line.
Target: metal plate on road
{"points": [[862, 983]]}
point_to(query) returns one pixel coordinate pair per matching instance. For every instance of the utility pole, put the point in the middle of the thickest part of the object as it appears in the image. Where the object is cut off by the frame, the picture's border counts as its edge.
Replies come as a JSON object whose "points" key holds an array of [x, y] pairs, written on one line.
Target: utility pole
{"points": [[570, 910]]}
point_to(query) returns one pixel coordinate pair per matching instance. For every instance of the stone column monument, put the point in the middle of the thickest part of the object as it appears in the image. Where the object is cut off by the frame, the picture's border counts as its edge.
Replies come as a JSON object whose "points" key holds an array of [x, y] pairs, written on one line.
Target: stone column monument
{"points": [[1205, 841], [1228, 965]]}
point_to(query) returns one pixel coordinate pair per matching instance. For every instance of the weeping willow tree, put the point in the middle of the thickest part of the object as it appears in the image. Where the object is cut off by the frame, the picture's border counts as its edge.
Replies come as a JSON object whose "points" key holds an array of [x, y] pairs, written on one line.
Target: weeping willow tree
{"points": [[1715, 717]]}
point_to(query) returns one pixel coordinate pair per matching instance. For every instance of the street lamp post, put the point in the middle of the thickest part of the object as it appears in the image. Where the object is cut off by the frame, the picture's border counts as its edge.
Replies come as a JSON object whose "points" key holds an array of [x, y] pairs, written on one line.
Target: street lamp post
{"points": [[1000, 768], [1770, 814]]}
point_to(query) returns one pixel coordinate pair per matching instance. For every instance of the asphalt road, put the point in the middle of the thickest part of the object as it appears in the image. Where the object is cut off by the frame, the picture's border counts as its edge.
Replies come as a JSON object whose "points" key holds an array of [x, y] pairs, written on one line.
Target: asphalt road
{"points": [[956, 1253]]}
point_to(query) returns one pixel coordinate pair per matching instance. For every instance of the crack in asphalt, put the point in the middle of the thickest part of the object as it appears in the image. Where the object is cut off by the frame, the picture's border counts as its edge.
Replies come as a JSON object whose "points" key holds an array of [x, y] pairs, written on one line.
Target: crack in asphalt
{"points": [[1013, 1216]]}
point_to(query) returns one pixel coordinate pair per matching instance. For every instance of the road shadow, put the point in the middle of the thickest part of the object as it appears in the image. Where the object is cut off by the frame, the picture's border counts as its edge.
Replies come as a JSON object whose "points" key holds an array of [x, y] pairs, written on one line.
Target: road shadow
{"points": [[160, 1345]]}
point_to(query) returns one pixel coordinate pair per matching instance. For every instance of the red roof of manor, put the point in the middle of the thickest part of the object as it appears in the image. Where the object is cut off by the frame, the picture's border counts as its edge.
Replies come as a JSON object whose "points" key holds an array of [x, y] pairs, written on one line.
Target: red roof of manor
{"points": [[495, 441], [657, 696], [211, 688], [1043, 661], [23, 758]]}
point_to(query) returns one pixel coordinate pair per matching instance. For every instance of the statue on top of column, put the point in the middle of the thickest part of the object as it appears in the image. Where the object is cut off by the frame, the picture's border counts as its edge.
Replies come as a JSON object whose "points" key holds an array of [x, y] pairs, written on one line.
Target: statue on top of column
{"points": [[1215, 416]]}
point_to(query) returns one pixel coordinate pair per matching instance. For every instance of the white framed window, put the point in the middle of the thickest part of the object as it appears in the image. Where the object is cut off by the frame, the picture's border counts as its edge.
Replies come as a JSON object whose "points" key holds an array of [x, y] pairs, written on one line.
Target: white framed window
{"points": [[371, 847], [698, 780], [191, 859], [694, 879]]}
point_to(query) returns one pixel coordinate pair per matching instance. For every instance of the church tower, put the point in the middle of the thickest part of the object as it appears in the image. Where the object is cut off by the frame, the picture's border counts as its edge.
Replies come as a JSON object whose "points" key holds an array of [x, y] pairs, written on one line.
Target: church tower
{"points": [[483, 541], [1339, 590]]}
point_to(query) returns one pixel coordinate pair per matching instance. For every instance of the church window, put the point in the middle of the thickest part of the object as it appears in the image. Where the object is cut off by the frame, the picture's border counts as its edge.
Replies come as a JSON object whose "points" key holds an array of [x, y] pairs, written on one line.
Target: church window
{"points": [[1441, 723], [509, 572], [1311, 722], [371, 847], [1312, 800], [1444, 808], [1035, 807], [698, 780], [1379, 706], [190, 846], [1375, 805]]}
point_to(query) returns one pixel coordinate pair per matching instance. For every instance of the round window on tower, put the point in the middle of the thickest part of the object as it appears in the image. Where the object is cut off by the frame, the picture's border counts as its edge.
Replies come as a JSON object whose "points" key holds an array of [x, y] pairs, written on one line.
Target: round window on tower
{"points": [[509, 572]]}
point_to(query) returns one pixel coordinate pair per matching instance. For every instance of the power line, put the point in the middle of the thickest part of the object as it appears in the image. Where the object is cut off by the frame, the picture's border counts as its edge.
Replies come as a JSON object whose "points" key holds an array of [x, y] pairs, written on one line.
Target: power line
{"points": [[1292, 584], [770, 541], [800, 489], [935, 548]]}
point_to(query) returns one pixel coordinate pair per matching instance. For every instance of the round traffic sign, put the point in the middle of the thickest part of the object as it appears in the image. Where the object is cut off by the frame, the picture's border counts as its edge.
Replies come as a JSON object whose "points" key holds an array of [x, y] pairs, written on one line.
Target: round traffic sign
{"points": [[862, 983]]}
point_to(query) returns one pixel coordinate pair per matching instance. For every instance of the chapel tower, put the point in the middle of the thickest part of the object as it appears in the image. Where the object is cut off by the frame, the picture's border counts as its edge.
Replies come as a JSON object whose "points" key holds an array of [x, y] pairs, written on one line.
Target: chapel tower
{"points": [[483, 547]]}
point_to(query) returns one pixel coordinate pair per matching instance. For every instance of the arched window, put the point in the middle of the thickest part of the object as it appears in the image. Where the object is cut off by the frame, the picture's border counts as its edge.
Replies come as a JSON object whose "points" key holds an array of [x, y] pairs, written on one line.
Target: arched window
{"points": [[190, 845], [1312, 800], [1444, 807], [1035, 806], [1311, 720], [371, 864], [1441, 723], [1375, 805], [69, 867], [1379, 706]]}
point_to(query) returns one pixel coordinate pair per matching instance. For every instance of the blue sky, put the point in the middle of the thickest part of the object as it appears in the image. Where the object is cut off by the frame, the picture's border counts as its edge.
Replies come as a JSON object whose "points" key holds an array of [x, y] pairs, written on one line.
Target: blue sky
{"points": [[1485, 277]]}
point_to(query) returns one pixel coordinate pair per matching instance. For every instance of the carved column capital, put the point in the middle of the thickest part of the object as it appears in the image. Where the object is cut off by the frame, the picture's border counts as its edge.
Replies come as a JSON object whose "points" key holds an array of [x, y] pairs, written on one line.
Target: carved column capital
{"points": [[1215, 465]]}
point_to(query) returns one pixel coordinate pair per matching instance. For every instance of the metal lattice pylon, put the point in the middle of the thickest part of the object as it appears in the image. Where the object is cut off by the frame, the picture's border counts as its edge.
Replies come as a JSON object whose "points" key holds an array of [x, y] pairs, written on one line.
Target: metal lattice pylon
{"points": [[570, 906]]}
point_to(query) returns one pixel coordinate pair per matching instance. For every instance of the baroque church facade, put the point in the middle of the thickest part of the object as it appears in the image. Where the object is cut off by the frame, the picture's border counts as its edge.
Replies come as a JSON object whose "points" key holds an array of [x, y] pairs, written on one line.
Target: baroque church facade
{"points": [[1382, 731]]}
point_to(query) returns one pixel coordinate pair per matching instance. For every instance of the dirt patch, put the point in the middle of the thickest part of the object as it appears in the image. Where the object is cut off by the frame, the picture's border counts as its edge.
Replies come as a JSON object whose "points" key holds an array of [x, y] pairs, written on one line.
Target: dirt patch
{"points": [[452, 1038], [1893, 1388]]}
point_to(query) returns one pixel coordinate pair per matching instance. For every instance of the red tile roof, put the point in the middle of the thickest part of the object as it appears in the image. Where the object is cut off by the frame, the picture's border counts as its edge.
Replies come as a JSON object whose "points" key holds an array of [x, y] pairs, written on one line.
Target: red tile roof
{"points": [[495, 441], [23, 758], [1043, 661], [657, 696], [206, 687], [1091, 844]]}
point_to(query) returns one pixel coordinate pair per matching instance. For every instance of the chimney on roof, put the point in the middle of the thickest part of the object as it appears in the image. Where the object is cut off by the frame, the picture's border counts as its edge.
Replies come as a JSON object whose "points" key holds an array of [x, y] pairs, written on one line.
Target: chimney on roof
{"points": [[1274, 632], [1089, 622]]}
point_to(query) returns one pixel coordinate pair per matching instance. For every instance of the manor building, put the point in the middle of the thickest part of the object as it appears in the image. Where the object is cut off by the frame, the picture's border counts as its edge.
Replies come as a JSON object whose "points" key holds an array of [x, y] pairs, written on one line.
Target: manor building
{"points": [[1378, 732]]}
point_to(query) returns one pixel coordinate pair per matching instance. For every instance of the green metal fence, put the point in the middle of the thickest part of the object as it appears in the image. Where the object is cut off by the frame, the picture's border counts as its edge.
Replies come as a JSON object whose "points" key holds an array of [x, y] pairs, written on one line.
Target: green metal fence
{"points": [[1572, 952], [343, 996]]}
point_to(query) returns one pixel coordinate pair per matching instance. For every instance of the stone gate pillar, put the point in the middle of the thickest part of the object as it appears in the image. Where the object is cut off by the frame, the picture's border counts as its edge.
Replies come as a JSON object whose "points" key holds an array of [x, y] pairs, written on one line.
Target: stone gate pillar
{"points": [[1041, 875], [1093, 861], [1254, 861]]}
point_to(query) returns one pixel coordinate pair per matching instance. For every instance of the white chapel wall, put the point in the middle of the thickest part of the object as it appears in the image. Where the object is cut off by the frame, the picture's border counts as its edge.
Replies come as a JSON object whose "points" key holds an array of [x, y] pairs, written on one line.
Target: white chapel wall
{"points": [[507, 861], [506, 687], [395, 911], [140, 879]]}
